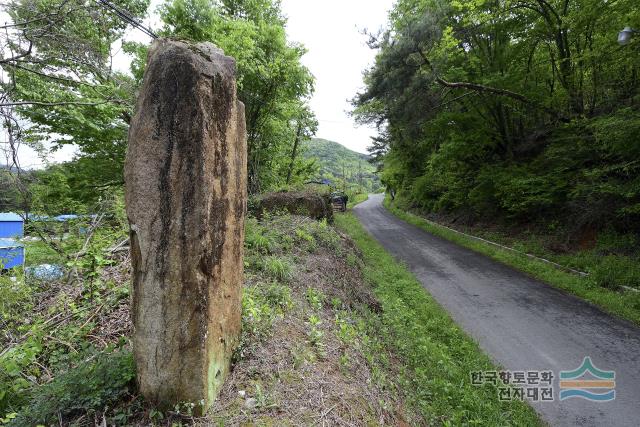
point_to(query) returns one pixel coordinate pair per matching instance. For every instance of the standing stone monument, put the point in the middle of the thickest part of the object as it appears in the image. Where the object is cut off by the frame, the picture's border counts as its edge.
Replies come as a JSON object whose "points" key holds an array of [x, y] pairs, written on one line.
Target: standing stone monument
{"points": [[186, 183]]}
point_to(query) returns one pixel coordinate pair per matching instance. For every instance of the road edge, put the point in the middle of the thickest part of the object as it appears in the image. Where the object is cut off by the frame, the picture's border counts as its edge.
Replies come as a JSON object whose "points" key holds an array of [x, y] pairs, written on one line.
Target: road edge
{"points": [[623, 305], [438, 354]]}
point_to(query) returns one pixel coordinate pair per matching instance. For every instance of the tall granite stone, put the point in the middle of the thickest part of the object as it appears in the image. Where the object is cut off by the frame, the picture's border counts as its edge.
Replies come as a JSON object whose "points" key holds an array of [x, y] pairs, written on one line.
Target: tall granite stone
{"points": [[186, 182]]}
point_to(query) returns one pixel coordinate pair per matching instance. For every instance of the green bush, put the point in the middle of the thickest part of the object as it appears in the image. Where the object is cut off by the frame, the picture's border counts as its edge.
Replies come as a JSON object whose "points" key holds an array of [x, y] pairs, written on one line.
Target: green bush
{"points": [[15, 297], [16, 364], [90, 387]]}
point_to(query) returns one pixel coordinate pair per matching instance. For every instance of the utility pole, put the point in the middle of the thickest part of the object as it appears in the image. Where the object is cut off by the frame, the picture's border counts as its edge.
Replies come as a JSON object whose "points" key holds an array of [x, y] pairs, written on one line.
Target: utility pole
{"points": [[294, 152]]}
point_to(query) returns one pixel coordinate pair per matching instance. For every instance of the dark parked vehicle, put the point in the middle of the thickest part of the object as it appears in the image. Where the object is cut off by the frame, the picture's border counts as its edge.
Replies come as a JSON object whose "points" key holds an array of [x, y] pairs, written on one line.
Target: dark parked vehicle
{"points": [[339, 200]]}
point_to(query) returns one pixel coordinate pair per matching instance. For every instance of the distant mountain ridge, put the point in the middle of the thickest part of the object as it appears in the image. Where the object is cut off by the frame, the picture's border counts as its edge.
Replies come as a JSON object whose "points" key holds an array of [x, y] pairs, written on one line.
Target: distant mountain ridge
{"points": [[345, 168]]}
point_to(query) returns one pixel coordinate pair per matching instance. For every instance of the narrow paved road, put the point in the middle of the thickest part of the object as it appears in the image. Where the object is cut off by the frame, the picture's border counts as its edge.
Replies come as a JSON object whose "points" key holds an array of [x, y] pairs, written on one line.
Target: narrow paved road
{"points": [[521, 323]]}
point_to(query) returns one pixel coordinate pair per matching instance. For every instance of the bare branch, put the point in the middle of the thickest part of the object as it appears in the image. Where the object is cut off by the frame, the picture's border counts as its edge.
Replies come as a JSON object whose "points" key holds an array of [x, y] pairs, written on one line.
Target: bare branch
{"points": [[55, 104]]}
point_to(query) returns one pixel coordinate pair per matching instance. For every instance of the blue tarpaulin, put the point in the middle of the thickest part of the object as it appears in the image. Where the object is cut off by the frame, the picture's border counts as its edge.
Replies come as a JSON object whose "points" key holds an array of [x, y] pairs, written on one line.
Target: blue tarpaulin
{"points": [[48, 272]]}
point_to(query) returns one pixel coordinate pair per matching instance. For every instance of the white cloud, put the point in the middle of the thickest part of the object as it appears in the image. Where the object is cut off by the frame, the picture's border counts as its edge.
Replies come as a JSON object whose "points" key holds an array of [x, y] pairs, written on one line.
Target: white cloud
{"points": [[331, 30]]}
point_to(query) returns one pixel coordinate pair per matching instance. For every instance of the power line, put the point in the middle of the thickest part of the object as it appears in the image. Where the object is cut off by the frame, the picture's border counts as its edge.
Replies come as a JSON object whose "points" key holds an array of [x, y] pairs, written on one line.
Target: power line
{"points": [[126, 16]]}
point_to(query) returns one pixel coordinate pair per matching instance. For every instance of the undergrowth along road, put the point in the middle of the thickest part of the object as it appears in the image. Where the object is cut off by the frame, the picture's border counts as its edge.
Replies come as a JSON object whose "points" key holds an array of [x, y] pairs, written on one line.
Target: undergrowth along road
{"points": [[438, 357], [334, 330], [622, 303]]}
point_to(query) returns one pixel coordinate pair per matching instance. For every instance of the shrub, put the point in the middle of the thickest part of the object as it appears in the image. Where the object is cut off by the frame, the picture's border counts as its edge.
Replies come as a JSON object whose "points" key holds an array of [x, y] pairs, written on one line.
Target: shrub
{"points": [[15, 297], [90, 387], [16, 364]]}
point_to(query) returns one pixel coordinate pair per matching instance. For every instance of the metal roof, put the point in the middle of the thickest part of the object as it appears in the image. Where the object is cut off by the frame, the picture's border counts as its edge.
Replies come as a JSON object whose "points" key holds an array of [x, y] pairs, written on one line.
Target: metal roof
{"points": [[10, 243], [10, 217]]}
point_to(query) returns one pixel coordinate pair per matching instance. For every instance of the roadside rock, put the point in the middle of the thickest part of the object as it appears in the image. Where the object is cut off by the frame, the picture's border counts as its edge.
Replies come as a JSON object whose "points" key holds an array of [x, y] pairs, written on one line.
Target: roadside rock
{"points": [[186, 197]]}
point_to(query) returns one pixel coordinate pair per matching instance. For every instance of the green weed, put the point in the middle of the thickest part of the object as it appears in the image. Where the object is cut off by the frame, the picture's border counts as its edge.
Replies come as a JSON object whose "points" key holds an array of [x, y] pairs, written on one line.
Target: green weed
{"points": [[90, 387], [256, 237], [347, 333], [261, 306], [614, 271], [608, 273], [315, 333], [437, 356], [277, 268], [315, 298]]}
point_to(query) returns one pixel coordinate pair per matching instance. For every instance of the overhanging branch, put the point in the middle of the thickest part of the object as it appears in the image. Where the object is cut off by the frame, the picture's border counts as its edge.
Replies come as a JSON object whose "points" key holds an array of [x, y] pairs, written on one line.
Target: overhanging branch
{"points": [[488, 89]]}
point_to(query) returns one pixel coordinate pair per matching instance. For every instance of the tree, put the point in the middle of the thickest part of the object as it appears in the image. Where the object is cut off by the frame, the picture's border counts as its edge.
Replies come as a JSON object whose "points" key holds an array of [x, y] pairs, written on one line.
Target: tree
{"points": [[499, 108], [61, 87], [306, 126], [272, 82]]}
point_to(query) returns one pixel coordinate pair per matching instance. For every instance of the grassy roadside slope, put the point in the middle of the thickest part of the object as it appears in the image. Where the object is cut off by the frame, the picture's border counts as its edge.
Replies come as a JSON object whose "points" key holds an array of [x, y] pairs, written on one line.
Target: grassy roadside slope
{"points": [[334, 332], [307, 353], [625, 304], [437, 356]]}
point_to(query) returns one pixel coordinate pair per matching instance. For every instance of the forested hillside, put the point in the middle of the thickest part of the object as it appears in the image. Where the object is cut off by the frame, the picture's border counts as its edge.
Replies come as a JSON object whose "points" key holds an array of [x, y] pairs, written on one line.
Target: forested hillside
{"points": [[344, 168], [61, 86], [513, 112]]}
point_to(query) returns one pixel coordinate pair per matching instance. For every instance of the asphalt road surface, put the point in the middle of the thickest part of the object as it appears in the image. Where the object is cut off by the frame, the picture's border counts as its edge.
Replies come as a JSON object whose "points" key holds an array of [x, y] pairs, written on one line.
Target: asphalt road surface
{"points": [[523, 324]]}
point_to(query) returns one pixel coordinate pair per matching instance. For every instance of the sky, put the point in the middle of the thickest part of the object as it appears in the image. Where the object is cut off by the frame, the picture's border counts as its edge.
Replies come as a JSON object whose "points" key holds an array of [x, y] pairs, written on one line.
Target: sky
{"points": [[337, 55], [332, 32]]}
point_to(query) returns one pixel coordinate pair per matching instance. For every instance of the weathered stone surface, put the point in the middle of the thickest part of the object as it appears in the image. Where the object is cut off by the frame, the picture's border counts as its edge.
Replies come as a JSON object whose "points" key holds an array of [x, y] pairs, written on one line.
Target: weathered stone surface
{"points": [[186, 198], [306, 203]]}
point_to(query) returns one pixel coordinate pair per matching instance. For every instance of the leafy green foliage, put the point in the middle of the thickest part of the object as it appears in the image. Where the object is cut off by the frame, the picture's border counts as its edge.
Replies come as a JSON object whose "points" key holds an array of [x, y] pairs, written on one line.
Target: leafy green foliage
{"points": [[516, 111], [89, 387], [14, 364], [15, 296], [50, 324], [272, 82], [63, 74], [71, 95]]}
